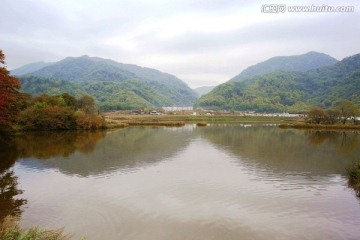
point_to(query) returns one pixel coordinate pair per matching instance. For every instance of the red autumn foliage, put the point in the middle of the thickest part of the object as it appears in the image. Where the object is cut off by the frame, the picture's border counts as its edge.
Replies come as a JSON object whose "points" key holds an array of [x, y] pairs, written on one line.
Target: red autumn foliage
{"points": [[43, 112], [9, 94]]}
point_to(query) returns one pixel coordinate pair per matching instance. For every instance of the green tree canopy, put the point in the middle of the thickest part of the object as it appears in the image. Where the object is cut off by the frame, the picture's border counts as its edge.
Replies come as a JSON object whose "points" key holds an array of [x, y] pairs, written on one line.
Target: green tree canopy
{"points": [[346, 109]]}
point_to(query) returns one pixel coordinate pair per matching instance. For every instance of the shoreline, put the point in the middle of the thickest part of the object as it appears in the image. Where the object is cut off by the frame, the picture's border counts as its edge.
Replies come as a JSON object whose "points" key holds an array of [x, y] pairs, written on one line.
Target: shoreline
{"points": [[123, 120], [114, 121]]}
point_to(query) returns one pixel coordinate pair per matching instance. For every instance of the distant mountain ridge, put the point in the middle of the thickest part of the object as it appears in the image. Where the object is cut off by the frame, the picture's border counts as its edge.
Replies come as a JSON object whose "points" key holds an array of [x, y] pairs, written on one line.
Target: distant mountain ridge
{"points": [[301, 63], [203, 90], [292, 91], [114, 85], [28, 68]]}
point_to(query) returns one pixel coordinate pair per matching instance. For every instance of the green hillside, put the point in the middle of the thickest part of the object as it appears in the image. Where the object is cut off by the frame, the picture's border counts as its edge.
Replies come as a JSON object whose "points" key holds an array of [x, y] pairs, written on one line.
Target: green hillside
{"points": [[349, 88], [127, 94], [114, 85], [37, 85], [132, 93], [301, 63], [288, 91], [84, 68]]}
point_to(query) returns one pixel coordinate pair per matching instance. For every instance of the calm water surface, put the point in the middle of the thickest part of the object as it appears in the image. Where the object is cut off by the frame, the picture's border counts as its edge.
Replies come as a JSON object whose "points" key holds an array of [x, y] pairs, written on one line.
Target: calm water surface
{"points": [[217, 182]]}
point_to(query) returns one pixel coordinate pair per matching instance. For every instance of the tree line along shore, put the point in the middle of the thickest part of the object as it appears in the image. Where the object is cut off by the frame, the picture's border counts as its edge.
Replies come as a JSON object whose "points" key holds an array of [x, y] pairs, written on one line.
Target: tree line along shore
{"points": [[343, 115]]}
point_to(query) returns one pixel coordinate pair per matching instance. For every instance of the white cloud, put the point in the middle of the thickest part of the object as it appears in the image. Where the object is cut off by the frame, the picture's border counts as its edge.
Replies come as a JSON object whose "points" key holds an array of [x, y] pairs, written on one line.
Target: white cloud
{"points": [[202, 42]]}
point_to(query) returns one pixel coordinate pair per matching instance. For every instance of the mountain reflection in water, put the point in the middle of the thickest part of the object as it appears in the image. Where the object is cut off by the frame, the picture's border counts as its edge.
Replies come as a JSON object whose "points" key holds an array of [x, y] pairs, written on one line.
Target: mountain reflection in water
{"points": [[216, 182]]}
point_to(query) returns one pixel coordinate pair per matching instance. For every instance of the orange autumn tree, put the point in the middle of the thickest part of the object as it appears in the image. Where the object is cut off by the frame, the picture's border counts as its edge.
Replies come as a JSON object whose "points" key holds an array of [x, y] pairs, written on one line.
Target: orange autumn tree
{"points": [[9, 95]]}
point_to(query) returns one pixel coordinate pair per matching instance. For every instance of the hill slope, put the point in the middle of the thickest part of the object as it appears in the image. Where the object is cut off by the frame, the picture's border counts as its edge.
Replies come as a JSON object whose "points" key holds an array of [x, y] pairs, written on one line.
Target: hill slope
{"points": [[288, 91], [349, 88], [301, 63], [114, 85], [37, 86]]}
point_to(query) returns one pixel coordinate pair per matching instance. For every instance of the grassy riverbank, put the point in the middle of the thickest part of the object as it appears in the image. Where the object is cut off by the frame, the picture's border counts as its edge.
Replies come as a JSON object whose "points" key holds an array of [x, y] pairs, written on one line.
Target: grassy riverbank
{"points": [[112, 119], [10, 230]]}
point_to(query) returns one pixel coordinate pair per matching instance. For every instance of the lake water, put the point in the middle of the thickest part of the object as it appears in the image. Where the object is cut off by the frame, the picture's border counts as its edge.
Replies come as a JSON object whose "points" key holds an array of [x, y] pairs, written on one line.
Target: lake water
{"points": [[216, 182]]}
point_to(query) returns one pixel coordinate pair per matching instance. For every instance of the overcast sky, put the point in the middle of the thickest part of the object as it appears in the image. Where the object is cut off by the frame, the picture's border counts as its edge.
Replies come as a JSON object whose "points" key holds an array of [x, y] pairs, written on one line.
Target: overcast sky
{"points": [[204, 42]]}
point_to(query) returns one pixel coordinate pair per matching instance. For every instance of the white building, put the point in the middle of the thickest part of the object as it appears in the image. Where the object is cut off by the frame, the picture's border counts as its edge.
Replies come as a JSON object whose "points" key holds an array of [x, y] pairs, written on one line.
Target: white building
{"points": [[177, 109]]}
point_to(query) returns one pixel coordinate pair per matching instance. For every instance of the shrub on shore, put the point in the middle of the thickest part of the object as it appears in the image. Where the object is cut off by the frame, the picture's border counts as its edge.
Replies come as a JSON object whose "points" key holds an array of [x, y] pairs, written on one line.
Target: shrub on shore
{"points": [[10, 230], [60, 112]]}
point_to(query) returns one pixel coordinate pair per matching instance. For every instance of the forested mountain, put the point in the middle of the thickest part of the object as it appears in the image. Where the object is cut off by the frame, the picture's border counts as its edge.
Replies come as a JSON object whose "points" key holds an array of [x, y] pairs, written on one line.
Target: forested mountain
{"points": [[349, 88], [114, 85], [38, 85], [301, 63], [203, 90], [289, 91]]}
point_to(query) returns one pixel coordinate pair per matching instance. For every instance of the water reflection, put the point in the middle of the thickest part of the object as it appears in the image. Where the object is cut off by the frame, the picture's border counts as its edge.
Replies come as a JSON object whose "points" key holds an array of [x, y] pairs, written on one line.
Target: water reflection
{"points": [[264, 147], [10, 202], [343, 142], [311, 152], [45, 145], [125, 149], [217, 182]]}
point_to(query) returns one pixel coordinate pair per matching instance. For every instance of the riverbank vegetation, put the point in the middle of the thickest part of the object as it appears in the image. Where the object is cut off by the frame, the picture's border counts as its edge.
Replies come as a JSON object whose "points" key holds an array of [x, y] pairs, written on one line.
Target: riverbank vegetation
{"points": [[342, 115], [60, 112], [342, 111], [10, 230], [354, 177]]}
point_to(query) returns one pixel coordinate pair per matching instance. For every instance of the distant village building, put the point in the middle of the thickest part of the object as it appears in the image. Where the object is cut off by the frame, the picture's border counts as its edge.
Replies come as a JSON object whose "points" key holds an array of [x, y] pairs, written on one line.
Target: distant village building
{"points": [[153, 112], [177, 109]]}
